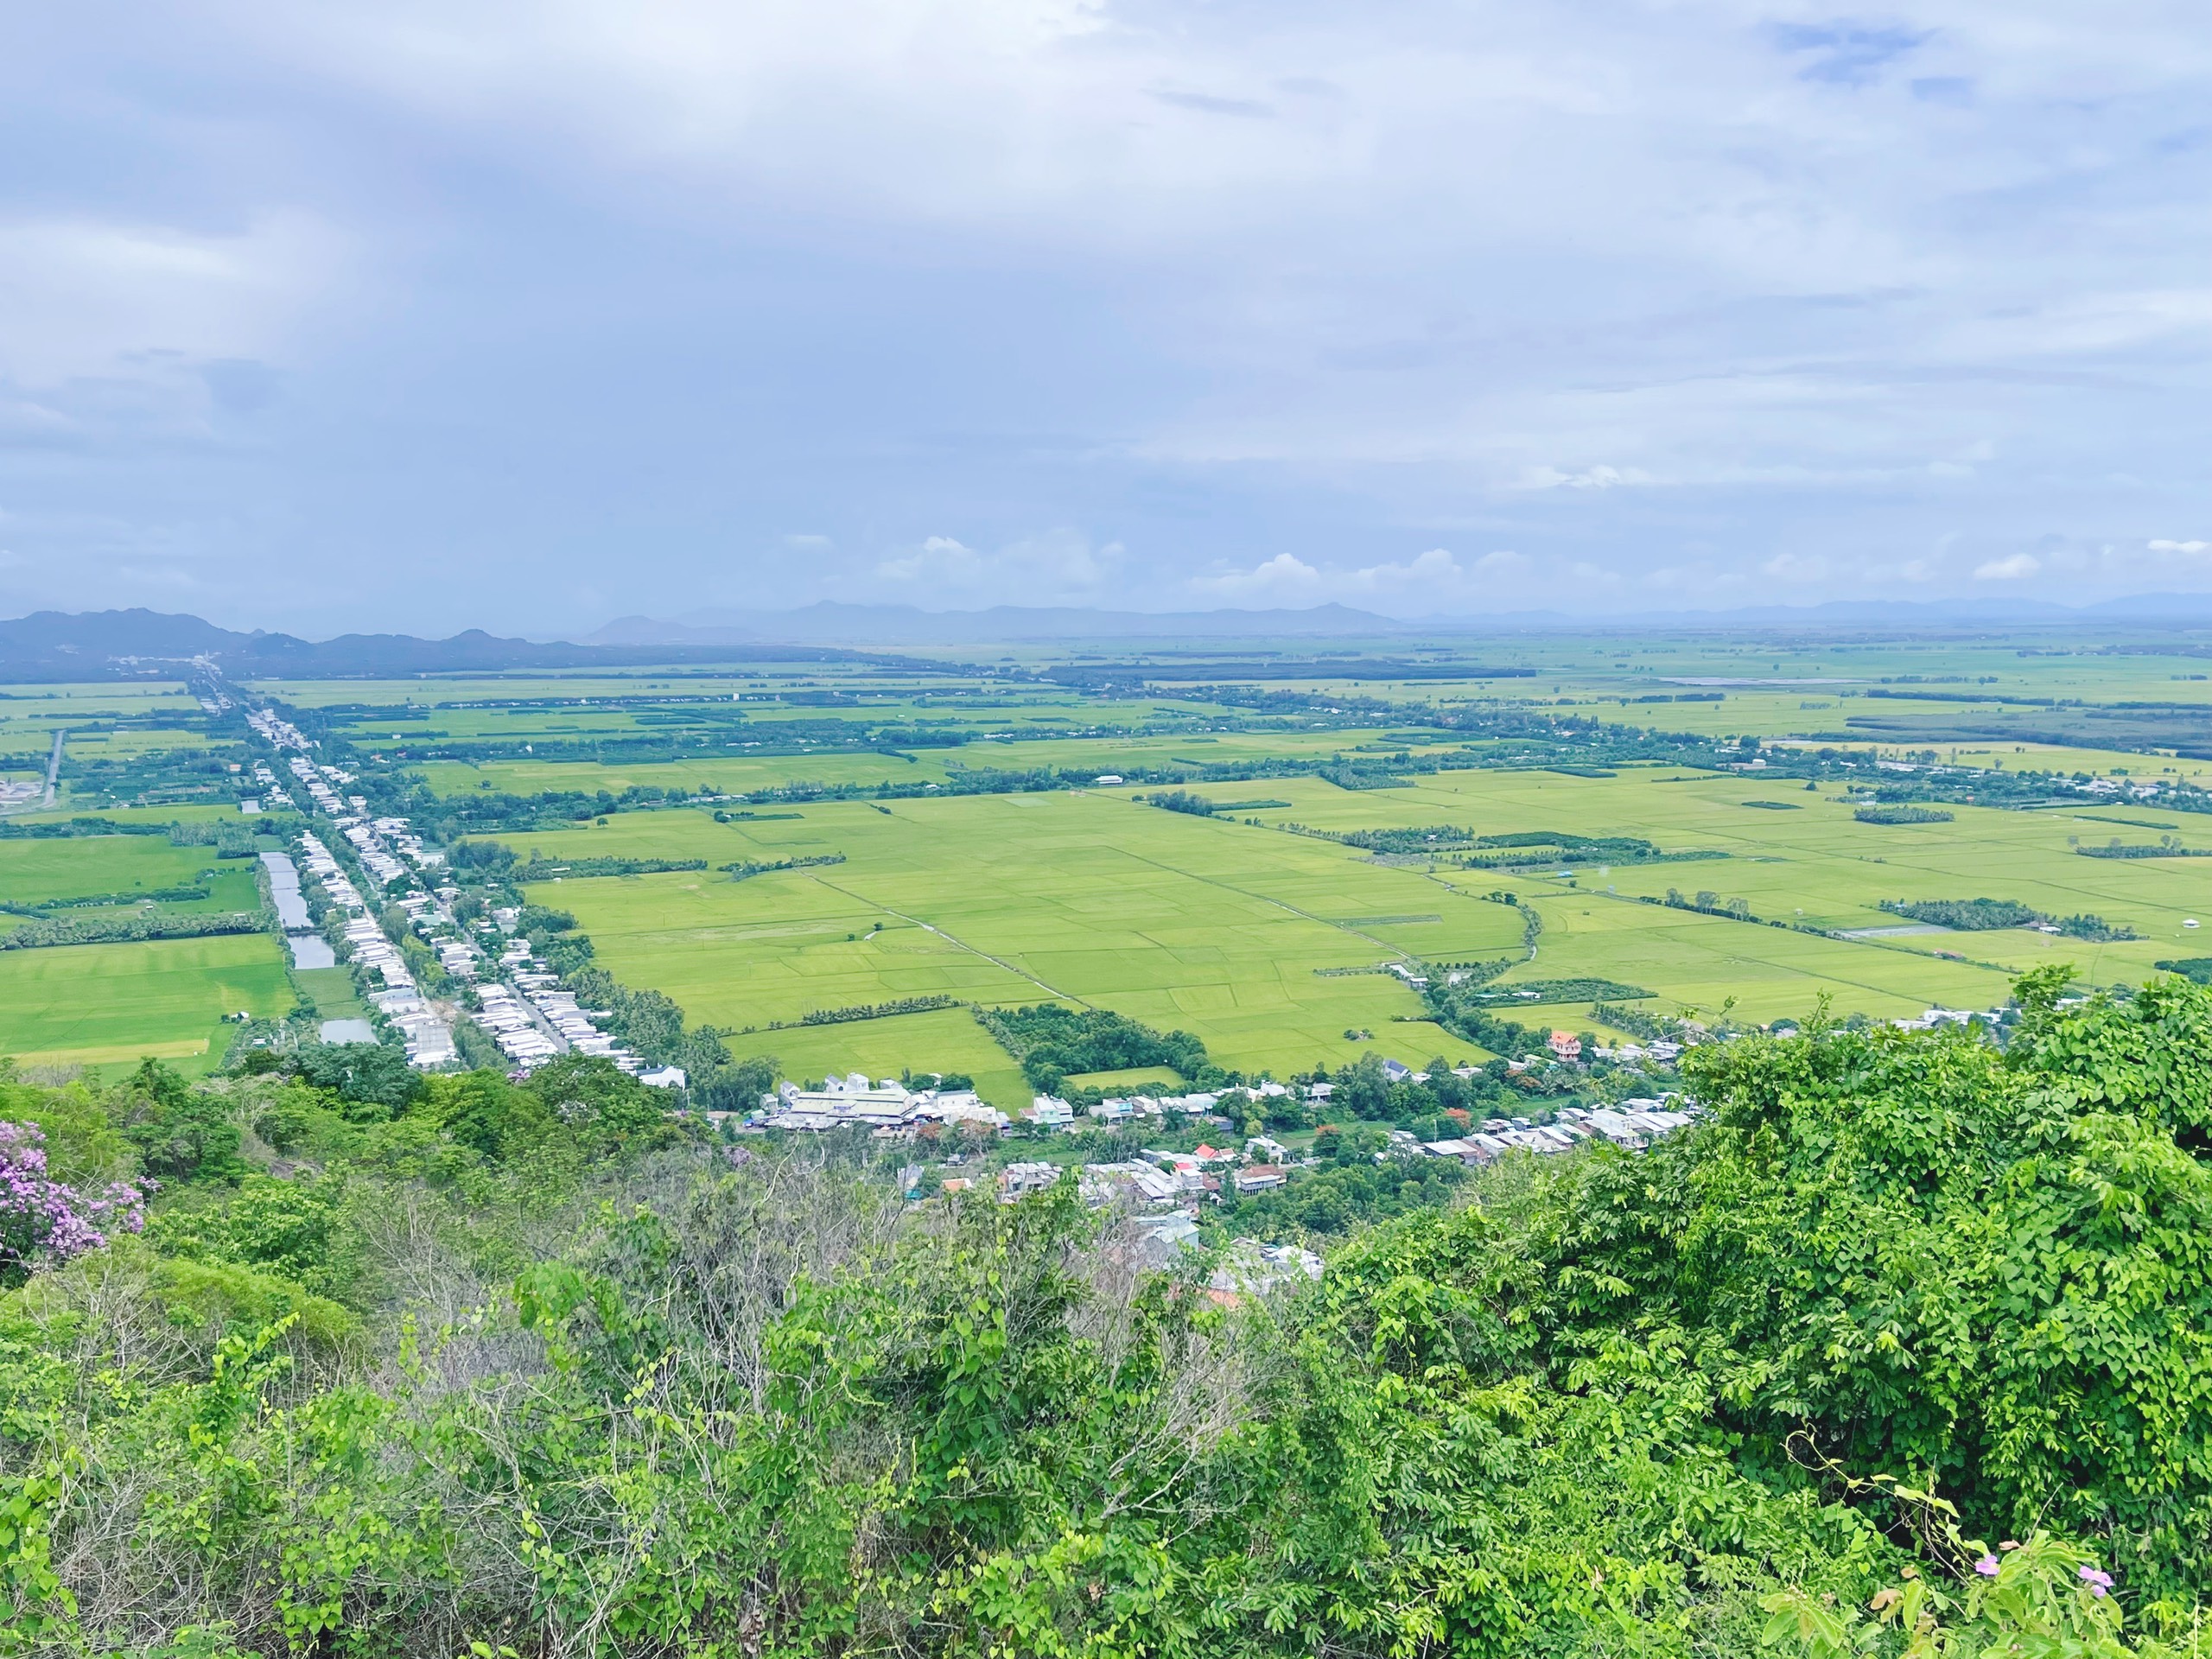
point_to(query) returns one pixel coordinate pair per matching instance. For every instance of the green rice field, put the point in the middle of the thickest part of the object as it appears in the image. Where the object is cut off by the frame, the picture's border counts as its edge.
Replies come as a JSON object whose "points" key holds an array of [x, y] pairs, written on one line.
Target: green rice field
{"points": [[1239, 936], [110, 1004], [1270, 943]]}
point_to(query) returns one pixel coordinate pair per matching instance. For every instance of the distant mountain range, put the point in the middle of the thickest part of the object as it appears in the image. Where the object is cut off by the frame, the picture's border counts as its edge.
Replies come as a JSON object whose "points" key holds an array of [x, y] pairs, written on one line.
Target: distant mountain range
{"points": [[56, 645], [60, 645]]}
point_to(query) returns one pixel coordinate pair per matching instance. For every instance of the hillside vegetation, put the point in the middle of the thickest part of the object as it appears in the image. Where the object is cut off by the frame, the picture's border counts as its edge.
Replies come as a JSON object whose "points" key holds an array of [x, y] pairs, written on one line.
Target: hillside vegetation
{"points": [[406, 1365]]}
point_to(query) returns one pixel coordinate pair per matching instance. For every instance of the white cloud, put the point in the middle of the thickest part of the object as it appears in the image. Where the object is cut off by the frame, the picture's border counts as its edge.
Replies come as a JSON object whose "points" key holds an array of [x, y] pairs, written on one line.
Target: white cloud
{"points": [[941, 560], [1286, 579], [91, 296], [1430, 582], [1796, 567], [1593, 478], [1058, 566], [1658, 285], [1431, 571]]}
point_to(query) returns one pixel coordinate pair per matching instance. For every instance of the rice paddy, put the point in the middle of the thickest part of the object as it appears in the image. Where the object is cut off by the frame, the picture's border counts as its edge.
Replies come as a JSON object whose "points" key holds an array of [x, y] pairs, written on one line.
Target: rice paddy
{"points": [[110, 1004], [1275, 947]]}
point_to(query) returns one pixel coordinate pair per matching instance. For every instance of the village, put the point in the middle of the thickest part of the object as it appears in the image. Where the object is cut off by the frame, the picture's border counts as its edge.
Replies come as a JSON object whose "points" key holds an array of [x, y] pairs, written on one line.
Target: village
{"points": [[518, 1000], [887, 1110]]}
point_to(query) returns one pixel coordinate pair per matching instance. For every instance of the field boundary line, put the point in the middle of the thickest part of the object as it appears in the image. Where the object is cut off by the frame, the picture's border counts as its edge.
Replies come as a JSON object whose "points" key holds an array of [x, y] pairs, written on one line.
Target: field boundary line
{"points": [[1265, 899], [955, 940]]}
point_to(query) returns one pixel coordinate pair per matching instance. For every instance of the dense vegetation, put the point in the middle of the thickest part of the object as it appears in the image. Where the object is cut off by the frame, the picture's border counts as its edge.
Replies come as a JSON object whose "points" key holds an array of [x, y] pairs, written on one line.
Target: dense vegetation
{"points": [[400, 1369], [1982, 915], [1968, 915], [1054, 1043], [121, 926], [1903, 815]]}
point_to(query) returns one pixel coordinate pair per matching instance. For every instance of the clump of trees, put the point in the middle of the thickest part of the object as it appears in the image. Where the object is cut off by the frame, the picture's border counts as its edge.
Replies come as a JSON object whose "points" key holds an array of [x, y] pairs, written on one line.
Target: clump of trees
{"points": [[1981, 915], [1181, 800], [1968, 915], [1903, 815], [1054, 1043]]}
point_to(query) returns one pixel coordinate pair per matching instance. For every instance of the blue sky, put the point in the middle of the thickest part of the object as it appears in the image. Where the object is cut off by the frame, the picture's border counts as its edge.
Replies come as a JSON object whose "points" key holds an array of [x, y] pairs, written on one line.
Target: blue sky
{"points": [[525, 316]]}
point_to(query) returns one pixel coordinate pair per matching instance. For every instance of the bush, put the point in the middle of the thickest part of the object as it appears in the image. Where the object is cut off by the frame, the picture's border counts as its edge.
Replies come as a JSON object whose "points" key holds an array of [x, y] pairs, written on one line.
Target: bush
{"points": [[1052, 1043], [374, 1078], [180, 1133], [1903, 815]]}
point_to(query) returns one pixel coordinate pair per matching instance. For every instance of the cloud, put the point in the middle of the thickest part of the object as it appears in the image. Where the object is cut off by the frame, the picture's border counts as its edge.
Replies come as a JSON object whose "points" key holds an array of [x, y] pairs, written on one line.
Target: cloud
{"points": [[1286, 579], [2189, 550], [1206, 104], [1432, 571], [1849, 54], [942, 560], [1273, 296], [1429, 583], [88, 296], [1056, 566], [1593, 478], [1796, 567], [2013, 567]]}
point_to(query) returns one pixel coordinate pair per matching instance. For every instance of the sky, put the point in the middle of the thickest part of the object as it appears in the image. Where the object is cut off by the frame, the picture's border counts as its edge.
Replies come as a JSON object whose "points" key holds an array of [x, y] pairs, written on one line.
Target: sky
{"points": [[527, 317]]}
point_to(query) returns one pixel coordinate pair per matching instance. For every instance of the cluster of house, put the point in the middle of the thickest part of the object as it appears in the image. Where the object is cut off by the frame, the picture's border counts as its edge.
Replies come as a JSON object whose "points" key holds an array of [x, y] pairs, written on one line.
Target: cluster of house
{"points": [[1662, 1049], [1934, 1018], [274, 794], [1050, 1112], [520, 1003], [1631, 1123], [887, 1106], [429, 1037]]}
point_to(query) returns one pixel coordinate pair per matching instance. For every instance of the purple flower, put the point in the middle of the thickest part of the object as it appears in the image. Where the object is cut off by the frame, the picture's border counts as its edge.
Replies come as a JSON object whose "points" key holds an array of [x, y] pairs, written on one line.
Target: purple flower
{"points": [[44, 1223], [1987, 1566], [2100, 1583]]}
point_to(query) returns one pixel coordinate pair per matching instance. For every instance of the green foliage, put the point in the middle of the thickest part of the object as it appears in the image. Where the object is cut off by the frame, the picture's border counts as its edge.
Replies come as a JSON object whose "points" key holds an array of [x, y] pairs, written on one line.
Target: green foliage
{"points": [[1903, 815], [1559, 990], [229, 1296], [1969, 915], [1619, 1404], [1181, 800], [2096, 928], [745, 870], [545, 870], [738, 1087], [1418, 839], [2168, 848], [1350, 1191], [482, 1110], [608, 1112], [126, 928], [1978, 915], [280, 1227], [374, 1079], [1053, 1042], [179, 1134]]}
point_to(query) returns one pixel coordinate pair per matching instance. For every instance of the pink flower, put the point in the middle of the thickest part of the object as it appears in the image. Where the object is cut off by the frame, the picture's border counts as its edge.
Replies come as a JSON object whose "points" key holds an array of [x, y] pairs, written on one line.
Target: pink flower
{"points": [[2100, 1583], [1987, 1566]]}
